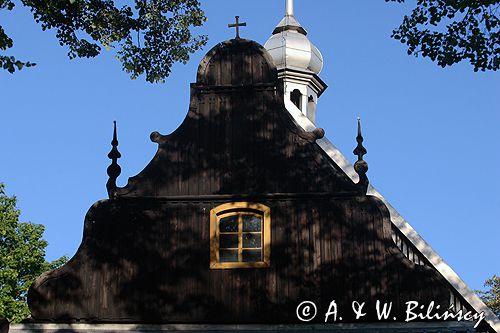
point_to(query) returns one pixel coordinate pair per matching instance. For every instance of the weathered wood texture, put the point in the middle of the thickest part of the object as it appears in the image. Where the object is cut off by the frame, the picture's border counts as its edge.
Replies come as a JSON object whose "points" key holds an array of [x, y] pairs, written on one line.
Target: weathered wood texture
{"points": [[147, 260], [238, 137], [145, 255]]}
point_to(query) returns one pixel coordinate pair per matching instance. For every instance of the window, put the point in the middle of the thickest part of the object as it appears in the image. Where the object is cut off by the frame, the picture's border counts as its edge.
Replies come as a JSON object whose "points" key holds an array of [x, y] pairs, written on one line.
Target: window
{"points": [[296, 98], [311, 109], [240, 236]]}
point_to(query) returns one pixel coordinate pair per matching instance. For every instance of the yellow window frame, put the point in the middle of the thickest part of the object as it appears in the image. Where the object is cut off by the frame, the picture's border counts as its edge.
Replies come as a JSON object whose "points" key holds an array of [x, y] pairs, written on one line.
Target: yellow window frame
{"points": [[239, 208]]}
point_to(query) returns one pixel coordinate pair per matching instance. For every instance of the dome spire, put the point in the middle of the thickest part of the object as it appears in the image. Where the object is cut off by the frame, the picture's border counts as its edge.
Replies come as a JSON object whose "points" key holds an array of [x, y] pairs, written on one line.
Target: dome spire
{"points": [[289, 22], [289, 7], [290, 47]]}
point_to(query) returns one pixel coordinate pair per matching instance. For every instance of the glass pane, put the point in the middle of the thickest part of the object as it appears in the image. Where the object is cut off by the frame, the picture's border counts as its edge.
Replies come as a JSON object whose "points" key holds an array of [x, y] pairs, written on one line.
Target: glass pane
{"points": [[228, 255], [252, 223], [229, 224], [251, 240], [228, 241], [252, 255]]}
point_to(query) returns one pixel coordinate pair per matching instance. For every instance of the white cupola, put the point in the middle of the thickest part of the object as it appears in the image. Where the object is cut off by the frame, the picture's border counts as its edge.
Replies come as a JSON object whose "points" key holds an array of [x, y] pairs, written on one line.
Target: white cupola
{"points": [[299, 62]]}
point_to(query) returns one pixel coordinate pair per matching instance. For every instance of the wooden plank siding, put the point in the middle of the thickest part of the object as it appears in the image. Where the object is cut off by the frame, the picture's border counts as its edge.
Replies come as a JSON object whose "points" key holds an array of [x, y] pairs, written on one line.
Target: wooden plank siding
{"points": [[162, 274], [145, 255], [237, 138]]}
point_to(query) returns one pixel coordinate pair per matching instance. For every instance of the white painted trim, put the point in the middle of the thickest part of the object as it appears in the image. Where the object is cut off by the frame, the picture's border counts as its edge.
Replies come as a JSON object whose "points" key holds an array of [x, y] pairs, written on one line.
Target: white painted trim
{"points": [[301, 77], [410, 233]]}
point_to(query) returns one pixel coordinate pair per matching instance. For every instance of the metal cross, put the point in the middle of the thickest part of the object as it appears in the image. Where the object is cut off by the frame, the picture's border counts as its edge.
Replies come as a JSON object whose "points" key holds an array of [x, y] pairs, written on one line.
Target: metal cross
{"points": [[237, 26]]}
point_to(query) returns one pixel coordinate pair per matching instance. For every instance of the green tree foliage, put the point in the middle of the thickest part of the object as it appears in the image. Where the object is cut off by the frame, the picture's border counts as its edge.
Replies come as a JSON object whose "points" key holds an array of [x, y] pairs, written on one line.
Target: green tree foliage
{"points": [[9, 62], [22, 259], [149, 35], [449, 31], [491, 297]]}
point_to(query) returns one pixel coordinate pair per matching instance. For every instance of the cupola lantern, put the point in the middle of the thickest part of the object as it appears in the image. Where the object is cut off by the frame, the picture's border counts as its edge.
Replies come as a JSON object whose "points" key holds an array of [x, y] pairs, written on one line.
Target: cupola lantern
{"points": [[299, 63]]}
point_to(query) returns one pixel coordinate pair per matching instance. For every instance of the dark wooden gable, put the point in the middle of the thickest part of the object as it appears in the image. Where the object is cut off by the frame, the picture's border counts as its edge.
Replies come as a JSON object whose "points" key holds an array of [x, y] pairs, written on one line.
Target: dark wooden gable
{"points": [[145, 254], [237, 137]]}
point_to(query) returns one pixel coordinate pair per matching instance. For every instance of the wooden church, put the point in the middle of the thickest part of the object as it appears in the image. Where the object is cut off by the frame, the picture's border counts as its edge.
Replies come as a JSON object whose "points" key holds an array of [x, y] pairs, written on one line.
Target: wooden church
{"points": [[248, 218]]}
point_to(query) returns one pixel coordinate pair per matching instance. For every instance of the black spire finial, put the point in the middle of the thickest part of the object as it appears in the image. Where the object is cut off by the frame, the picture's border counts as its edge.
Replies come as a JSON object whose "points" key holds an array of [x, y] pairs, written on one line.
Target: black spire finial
{"points": [[361, 167], [114, 169]]}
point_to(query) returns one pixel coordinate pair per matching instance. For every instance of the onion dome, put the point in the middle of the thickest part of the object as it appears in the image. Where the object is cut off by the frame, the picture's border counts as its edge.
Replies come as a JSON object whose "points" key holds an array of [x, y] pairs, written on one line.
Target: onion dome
{"points": [[290, 47]]}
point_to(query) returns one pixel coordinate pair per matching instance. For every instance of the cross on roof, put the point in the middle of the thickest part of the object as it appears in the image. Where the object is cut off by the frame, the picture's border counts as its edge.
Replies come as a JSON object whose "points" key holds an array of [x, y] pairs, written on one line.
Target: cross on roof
{"points": [[237, 25]]}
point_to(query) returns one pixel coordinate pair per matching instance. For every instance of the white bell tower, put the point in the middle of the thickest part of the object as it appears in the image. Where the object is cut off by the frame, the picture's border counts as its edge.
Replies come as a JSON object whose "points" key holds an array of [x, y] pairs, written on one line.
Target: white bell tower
{"points": [[299, 63]]}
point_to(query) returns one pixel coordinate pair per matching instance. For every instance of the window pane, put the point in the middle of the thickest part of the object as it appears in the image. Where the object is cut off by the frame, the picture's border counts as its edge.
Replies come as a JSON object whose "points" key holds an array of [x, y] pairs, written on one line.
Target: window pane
{"points": [[229, 224], [252, 223], [252, 255], [228, 255], [228, 241], [251, 240]]}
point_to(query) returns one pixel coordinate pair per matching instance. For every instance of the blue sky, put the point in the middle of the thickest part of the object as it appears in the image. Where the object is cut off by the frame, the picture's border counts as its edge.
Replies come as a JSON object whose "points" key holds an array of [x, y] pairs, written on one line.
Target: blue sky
{"points": [[431, 133]]}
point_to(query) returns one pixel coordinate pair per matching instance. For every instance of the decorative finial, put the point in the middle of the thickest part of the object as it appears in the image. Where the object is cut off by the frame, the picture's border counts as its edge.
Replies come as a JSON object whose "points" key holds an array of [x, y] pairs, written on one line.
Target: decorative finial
{"points": [[361, 167], [289, 7], [114, 169], [237, 25]]}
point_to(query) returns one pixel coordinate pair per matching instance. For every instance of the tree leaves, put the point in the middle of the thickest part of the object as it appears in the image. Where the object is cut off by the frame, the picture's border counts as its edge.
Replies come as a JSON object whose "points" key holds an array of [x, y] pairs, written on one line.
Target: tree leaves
{"points": [[160, 41], [9, 63], [149, 35], [22, 259], [449, 31], [491, 297]]}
